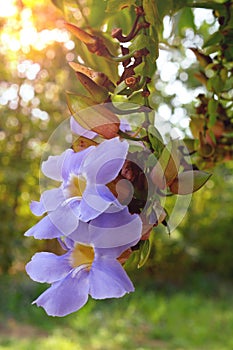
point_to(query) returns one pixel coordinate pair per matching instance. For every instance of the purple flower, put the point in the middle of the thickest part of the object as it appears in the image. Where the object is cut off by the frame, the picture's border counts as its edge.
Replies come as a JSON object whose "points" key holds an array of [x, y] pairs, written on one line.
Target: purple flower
{"points": [[83, 194], [90, 265]]}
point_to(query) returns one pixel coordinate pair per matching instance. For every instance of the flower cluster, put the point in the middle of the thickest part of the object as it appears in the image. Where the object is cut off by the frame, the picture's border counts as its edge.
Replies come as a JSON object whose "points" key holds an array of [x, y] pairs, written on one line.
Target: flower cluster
{"points": [[111, 195], [91, 223]]}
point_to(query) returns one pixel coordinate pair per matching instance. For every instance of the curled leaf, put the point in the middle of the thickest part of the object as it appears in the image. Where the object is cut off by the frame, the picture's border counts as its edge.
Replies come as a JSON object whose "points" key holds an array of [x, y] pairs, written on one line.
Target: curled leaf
{"points": [[144, 252], [99, 93], [77, 102], [94, 117], [166, 169], [189, 181], [98, 78]]}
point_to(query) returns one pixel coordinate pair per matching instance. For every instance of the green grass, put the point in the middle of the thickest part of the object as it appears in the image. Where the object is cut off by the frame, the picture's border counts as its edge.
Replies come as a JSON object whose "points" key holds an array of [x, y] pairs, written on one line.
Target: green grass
{"points": [[197, 319]]}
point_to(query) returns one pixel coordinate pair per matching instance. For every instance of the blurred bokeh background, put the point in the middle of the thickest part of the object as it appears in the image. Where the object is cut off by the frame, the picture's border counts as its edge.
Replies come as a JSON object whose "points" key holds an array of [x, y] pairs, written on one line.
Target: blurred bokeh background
{"points": [[183, 296]]}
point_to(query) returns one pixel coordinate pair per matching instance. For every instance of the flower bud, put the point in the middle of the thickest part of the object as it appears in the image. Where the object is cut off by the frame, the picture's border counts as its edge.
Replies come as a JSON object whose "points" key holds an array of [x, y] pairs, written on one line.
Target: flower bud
{"points": [[85, 37], [94, 44]]}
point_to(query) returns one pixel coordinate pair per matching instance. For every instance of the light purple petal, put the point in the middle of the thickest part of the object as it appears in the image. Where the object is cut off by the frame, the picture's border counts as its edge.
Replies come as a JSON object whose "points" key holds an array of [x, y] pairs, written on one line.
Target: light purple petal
{"points": [[53, 165], [66, 243], [76, 128], [81, 234], [44, 229], [64, 219], [108, 279], [49, 200], [112, 253], [37, 208], [48, 267], [115, 229], [124, 125], [95, 200], [65, 296], [73, 161], [105, 161]]}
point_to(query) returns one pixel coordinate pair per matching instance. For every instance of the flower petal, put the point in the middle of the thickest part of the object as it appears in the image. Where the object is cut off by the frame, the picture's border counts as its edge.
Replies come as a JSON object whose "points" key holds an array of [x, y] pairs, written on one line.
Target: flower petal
{"points": [[65, 296], [53, 165], [112, 229], [64, 219], [81, 234], [103, 164], [108, 279], [44, 229], [73, 161], [116, 229], [95, 200], [48, 267], [112, 253], [49, 200], [124, 125], [37, 208]]}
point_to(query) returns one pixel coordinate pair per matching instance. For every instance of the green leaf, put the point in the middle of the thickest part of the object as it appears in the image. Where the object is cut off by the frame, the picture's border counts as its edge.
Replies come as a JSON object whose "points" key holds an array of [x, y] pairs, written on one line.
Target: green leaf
{"points": [[59, 4], [152, 16], [153, 45], [189, 181], [164, 8], [156, 140], [139, 42], [166, 169], [97, 14], [228, 54], [151, 12], [77, 103], [214, 39], [212, 136], [120, 88], [135, 146], [99, 63], [190, 145], [132, 260], [116, 5], [215, 84], [186, 20], [212, 111], [144, 252], [205, 4], [151, 161], [136, 97], [99, 93]]}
